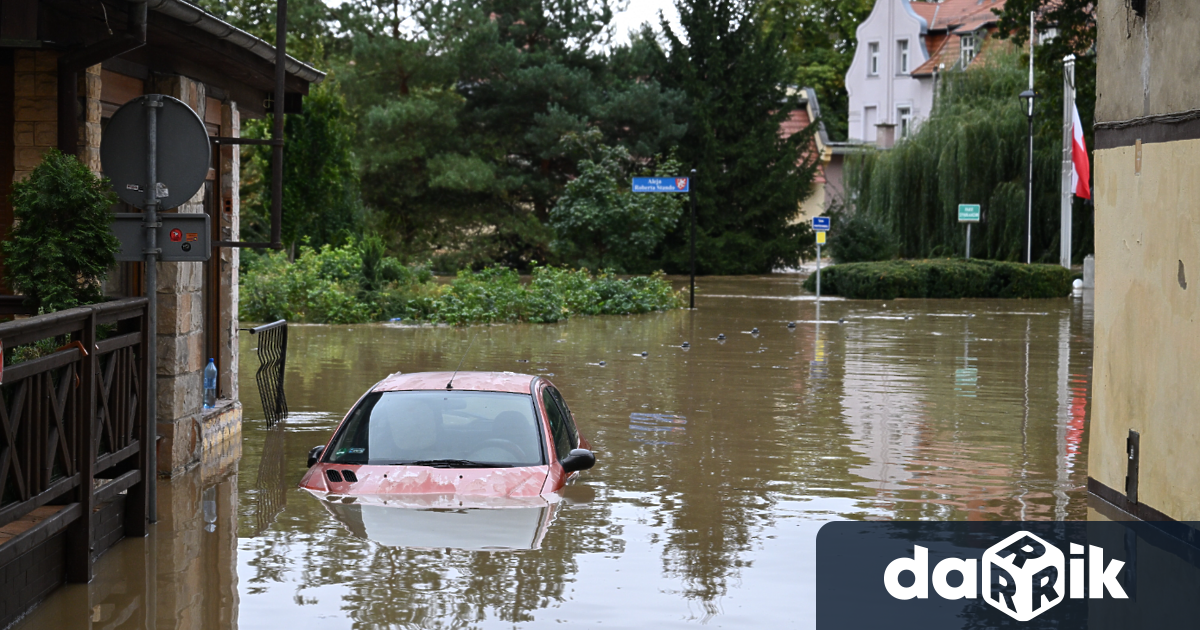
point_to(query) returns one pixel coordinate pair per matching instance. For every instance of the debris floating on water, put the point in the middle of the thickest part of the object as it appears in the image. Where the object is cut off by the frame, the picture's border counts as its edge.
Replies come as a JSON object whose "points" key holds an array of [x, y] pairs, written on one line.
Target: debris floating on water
{"points": [[721, 337], [841, 320], [685, 345], [791, 324], [601, 364], [753, 331], [644, 353]]}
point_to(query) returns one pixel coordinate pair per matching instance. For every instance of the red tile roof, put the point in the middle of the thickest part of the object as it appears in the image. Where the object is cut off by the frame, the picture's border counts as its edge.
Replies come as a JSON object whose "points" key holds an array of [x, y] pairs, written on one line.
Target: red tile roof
{"points": [[953, 13]]}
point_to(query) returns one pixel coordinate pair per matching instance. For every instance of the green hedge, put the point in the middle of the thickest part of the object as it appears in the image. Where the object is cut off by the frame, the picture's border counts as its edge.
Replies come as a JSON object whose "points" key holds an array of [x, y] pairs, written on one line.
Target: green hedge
{"points": [[942, 278]]}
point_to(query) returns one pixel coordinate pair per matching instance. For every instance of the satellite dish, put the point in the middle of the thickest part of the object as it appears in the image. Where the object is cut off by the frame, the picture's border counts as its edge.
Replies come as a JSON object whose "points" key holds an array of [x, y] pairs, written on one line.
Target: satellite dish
{"points": [[184, 153]]}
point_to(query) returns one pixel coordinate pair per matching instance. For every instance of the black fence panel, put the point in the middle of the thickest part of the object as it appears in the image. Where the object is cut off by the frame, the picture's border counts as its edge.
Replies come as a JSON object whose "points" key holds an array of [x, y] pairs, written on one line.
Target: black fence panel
{"points": [[272, 360]]}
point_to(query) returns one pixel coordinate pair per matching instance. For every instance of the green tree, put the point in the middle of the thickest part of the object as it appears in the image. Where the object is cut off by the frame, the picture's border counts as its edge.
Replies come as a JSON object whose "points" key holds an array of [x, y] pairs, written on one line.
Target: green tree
{"points": [[749, 180], [820, 36], [320, 177], [61, 244], [463, 106], [972, 149], [600, 224], [1073, 23]]}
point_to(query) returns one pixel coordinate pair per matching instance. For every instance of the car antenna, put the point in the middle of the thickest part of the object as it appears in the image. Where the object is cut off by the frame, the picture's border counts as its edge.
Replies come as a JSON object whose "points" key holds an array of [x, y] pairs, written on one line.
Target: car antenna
{"points": [[450, 385]]}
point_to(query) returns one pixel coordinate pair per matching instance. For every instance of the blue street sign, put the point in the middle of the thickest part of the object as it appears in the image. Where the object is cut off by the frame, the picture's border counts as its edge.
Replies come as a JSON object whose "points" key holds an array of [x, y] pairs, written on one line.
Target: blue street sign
{"points": [[821, 224], [660, 184]]}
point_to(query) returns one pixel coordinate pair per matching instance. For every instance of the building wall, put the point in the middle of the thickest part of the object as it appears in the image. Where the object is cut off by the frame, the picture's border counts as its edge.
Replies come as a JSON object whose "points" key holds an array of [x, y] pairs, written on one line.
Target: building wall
{"points": [[1147, 306], [35, 110], [889, 22]]}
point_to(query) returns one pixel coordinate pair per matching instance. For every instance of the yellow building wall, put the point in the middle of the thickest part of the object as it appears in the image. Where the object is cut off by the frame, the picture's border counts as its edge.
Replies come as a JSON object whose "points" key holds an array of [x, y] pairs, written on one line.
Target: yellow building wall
{"points": [[1147, 323]]}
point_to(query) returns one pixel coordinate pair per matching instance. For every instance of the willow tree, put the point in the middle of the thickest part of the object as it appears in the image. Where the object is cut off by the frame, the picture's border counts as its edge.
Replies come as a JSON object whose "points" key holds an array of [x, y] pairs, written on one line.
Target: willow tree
{"points": [[972, 149]]}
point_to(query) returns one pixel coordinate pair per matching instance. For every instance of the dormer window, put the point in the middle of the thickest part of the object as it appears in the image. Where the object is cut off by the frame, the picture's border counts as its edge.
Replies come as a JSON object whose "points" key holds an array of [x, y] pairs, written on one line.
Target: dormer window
{"points": [[902, 55], [873, 59], [969, 47]]}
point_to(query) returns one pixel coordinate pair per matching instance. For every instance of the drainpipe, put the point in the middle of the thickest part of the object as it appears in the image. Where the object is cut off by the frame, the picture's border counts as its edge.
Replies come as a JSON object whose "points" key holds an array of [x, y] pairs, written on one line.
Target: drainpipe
{"points": [[70, 64]]}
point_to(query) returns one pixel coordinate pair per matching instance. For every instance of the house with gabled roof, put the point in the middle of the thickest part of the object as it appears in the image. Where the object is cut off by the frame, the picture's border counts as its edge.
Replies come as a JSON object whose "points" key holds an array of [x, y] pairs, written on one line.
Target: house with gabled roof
{"points": [[903, 46]]}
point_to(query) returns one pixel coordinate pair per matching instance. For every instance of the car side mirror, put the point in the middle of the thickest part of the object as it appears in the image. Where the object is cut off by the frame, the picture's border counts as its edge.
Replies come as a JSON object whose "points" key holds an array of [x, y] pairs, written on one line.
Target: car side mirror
{"points": [[578, 459], [315, 454]]}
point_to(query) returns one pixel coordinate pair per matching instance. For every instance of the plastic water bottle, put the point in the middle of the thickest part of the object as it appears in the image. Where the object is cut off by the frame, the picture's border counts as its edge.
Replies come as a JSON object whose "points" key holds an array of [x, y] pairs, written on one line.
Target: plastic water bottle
{"points": [[210, 384]]}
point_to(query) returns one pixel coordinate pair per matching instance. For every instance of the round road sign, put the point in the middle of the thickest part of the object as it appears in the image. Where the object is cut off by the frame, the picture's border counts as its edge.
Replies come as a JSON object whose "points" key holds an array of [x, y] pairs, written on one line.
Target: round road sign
{"points": [[183, 152]]}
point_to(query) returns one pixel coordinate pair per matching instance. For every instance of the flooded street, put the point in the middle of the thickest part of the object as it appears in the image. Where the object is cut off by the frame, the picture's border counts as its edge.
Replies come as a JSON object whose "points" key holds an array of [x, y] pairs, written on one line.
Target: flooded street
{"points": [[716, 465]]}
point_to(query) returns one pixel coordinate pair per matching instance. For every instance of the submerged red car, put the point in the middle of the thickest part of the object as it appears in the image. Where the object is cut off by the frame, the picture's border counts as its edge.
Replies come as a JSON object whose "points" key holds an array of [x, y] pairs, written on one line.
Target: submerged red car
{"points": [[487, 437]]}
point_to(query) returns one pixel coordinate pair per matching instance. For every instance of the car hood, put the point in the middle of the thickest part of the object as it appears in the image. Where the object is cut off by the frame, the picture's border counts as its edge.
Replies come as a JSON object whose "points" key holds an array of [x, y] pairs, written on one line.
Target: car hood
{"points": [[499, 483]]}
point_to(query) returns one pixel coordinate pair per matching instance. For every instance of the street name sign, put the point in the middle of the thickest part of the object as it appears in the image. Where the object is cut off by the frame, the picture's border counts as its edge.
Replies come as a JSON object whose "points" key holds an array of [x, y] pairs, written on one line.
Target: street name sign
{"points": [[820, 224], [661, 184], [968, 213], [181, 237]]}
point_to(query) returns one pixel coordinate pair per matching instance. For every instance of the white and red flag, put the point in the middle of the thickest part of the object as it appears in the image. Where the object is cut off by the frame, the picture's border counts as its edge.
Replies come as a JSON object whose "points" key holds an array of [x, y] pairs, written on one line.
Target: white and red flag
{"points": [[1081, 182]]}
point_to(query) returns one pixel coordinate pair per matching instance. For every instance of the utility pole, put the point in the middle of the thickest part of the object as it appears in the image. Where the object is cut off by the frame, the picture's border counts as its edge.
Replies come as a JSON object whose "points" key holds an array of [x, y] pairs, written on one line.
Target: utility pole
{"points": [[692, 191]]}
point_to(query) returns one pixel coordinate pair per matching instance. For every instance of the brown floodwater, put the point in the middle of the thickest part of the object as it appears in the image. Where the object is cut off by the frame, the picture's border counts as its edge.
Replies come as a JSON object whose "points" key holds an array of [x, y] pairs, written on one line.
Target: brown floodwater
{"points": [[716, 466]]}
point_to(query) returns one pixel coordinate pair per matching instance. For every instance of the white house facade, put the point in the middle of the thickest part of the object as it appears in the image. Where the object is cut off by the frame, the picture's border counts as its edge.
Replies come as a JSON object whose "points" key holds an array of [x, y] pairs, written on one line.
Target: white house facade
{"points": [[902, 48]]}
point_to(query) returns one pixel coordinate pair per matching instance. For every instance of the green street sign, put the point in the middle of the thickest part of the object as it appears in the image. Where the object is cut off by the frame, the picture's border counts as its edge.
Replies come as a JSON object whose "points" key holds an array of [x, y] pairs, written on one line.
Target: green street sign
{"points": [[968, 213]]}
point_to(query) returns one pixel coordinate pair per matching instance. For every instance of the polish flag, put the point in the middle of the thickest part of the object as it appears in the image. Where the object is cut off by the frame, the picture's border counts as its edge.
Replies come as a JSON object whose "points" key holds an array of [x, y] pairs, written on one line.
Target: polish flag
{"points": [[1081, 174]]}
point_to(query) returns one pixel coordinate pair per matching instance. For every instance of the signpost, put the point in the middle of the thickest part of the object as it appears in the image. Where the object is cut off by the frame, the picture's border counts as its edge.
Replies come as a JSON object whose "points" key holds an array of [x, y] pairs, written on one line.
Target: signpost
{"points": [[674, 185], [820, 225], [146, 178], [968, 213]]}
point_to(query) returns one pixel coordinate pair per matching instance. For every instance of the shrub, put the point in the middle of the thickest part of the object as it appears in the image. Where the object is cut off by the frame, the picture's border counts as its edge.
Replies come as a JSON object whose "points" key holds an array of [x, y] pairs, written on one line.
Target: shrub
{"points": [[61, 244], [943, 278], [855, 237], [356, 283]]}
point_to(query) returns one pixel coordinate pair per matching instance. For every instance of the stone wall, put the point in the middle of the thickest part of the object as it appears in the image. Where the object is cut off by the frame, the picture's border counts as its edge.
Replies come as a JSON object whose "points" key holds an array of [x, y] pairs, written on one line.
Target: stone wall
{"points": [[35, 112], [180, 339]]}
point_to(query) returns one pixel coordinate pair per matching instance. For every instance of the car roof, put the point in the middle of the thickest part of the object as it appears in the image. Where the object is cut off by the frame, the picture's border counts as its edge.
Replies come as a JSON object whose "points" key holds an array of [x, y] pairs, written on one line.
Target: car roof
{"points": [[463, 381]]}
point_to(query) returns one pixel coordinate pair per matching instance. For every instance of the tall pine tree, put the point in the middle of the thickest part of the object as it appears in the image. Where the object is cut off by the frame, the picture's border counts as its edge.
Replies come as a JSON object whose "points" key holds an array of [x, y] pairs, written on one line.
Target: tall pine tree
{"points": [[749, 180]]}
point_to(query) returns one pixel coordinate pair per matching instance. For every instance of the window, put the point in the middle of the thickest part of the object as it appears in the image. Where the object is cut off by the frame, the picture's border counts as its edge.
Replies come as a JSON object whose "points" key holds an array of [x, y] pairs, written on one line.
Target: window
{"points": [[904, 119], [397, 428], [572, 431], [902, 55], [873, 59], [969, 43], [558, 425]]}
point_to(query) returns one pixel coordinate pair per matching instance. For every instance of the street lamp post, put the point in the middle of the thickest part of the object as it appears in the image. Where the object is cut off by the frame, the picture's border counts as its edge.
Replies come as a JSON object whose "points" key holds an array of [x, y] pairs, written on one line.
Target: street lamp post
{"points": [[1027, 98]]}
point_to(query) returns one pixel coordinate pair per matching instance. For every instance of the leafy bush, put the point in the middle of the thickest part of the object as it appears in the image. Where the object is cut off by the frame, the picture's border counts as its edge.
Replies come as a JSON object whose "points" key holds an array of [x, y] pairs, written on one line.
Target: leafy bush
{"points": [[599, 222], [61, 244], [553, 294], [356, 283], [856, 237], [943, 278]]}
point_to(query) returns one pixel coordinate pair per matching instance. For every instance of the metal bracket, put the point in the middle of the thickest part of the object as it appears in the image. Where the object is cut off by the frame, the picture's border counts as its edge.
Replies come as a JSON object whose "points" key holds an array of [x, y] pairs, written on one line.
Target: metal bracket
{"points": [[156, 251], [156, 224]]}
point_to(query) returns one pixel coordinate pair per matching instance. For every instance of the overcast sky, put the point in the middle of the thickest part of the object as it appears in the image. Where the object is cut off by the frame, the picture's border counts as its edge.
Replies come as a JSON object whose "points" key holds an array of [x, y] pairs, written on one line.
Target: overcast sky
{"points": [[641, 11]]}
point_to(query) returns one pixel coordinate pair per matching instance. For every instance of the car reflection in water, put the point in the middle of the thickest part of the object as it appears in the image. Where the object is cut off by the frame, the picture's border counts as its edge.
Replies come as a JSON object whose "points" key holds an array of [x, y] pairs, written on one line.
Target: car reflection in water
{"points": [[395, 522]]}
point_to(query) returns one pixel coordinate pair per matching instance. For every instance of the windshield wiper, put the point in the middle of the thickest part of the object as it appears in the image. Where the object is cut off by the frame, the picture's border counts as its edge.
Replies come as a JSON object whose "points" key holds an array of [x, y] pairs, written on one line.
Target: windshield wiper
{"points": [[449, 463]]}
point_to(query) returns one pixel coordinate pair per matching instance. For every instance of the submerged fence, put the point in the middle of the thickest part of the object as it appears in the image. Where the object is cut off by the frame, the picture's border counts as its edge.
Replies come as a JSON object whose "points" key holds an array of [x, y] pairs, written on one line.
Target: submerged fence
{"points": [[272, 360]]}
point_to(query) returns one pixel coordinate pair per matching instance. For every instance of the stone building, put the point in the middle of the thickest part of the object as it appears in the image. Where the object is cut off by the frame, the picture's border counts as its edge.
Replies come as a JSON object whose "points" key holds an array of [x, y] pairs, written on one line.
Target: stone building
{"points": [[65, 68], [1143, 439]]}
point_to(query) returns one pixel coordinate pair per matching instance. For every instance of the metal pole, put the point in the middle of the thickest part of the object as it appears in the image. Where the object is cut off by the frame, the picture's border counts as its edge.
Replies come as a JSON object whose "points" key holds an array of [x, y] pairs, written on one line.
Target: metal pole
{"points": [[277, 129], [1029, 194], [1029, 178], [153, 103], [692, 191], [968, 241], [818, 275], [1068, 165]]}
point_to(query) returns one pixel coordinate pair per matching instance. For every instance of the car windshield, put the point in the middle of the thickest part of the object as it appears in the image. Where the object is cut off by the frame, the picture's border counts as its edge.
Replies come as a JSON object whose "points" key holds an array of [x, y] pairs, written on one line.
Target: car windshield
{"points": [[460, 429]]}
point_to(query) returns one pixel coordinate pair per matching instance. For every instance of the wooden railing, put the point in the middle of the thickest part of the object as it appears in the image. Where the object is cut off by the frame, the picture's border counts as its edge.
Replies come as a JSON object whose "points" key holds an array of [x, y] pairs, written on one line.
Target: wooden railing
{"points": [[73, 427]]}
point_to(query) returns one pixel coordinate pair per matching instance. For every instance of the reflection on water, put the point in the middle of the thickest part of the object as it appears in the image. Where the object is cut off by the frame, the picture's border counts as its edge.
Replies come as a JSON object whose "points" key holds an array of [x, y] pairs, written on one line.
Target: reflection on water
{"points": [[716, 465]]}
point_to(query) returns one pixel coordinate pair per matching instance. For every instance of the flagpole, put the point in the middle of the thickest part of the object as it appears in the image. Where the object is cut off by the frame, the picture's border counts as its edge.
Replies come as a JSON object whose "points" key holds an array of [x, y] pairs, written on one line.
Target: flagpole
{"points": [[1029, 180], [1068, 165]]}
